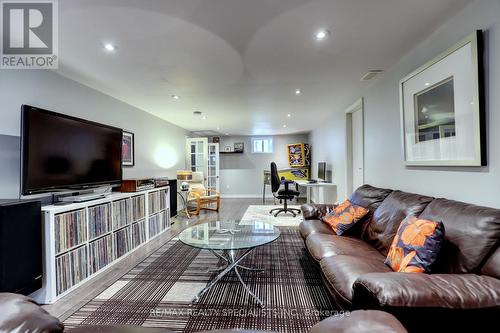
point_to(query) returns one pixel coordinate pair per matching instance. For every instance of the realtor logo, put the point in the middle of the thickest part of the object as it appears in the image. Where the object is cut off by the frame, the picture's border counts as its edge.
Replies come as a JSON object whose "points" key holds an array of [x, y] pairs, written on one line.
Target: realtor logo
{"points": [[29, 34]]}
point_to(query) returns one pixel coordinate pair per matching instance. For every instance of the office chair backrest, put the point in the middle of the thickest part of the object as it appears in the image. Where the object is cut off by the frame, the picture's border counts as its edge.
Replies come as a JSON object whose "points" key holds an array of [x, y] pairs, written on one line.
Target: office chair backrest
{"points": [[275, 178]]}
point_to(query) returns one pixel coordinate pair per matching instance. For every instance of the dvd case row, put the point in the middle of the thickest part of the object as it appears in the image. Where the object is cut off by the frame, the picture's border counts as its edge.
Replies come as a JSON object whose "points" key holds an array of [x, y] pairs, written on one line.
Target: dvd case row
{"points": [[154, 224], [71, 268], [99, 220], [138, 207], [100, 253], [138, 233], [88, 240], [165, 219], [70, 230], [163, 199], [122, 242], [154, 203], [122, 213]]}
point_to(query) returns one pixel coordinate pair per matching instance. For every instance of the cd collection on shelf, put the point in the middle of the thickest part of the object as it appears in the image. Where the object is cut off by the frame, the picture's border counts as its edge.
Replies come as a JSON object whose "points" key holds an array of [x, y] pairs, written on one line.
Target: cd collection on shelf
{"points": [[138, 233], [71, 268], [100, 253], [70, 230], [83, 239], [153, 203], [154, 224], [165, 220], [163, 199], [122, 242], [99, 220], [138, 208], [122, 213]]}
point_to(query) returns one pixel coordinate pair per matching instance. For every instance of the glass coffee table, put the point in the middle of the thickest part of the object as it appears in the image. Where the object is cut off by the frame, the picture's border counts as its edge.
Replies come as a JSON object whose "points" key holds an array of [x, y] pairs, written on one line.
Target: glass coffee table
{"points": [[230, 241]]}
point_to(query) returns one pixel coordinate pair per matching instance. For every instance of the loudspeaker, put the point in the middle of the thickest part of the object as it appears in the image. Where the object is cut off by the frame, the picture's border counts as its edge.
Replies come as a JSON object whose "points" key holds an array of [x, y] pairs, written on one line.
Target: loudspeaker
{"points": [[20, 246], [172, 184]]}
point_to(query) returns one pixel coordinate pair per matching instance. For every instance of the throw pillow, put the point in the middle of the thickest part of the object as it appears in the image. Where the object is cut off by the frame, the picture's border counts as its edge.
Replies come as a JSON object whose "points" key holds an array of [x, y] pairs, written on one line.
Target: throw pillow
{"points": [[344, 217], [416, 245]]}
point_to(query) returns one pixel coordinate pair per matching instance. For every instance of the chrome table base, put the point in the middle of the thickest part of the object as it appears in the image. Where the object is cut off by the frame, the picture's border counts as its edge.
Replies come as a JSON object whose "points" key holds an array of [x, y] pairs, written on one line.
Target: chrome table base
{"points": [[232, 263]]}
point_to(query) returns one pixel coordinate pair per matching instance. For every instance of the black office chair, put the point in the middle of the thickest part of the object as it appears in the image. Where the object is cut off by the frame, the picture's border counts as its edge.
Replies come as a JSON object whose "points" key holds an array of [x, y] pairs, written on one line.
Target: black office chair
{"points": [[284, 195]]}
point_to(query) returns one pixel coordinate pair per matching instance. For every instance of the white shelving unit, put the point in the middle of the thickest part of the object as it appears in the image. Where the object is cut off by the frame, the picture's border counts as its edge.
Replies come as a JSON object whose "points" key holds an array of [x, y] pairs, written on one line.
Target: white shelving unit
{"points": [[82, 240]]}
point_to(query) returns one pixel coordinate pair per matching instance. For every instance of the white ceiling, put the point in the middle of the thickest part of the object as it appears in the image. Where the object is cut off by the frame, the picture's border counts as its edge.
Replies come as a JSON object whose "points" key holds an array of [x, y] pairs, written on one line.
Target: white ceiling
{"points": [[239, 61]]}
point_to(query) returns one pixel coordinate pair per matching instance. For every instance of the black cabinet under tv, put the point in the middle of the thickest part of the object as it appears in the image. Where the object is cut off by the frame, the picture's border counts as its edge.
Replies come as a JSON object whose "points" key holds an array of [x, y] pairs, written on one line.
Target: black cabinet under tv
{"points": [[20, 246]]}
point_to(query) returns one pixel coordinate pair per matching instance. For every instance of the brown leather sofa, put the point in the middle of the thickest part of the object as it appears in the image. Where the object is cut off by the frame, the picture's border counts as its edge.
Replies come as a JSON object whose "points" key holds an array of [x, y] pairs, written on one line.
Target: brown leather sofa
{"points": [[21, 314], [462, 294]]}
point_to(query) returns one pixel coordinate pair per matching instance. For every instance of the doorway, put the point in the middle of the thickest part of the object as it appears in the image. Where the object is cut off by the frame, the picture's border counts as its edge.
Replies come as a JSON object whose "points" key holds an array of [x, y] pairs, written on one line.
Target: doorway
{"points": [[354, 147]]}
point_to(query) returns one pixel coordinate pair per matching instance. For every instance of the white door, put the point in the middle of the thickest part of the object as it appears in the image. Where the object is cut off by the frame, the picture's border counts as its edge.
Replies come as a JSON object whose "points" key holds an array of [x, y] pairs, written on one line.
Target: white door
{"points": [[357, 149], [213, 167], [197, 155], [354, 147]]}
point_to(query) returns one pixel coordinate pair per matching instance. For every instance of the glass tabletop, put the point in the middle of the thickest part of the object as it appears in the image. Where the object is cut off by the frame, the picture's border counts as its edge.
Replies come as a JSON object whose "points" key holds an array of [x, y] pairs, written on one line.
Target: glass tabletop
{"points": [[229, 235]]}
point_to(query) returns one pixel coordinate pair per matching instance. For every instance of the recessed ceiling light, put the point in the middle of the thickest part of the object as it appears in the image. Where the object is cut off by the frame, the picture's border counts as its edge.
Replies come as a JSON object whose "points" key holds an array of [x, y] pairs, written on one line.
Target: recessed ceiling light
{"points": [[284, 126], [427, 84], [227, 134], [175, 96], [298, 91], [289, 115], [218, 128], [204, 117], [109, 47], [322, 34]]}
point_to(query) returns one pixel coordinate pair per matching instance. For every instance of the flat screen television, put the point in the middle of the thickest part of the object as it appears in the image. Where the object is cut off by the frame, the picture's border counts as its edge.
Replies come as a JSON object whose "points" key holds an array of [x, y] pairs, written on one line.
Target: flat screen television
{"points": [[63, 152]]}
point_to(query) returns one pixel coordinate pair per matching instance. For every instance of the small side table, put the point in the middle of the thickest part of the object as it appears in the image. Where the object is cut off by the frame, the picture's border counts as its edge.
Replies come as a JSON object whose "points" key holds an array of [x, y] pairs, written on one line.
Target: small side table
{"points": [[183, 195]]}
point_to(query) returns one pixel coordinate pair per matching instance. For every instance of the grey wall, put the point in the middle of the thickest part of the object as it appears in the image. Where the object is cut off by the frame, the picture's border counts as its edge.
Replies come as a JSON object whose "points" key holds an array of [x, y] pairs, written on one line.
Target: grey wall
{"points": [[383, 150], [241, 175], [159, 145]]}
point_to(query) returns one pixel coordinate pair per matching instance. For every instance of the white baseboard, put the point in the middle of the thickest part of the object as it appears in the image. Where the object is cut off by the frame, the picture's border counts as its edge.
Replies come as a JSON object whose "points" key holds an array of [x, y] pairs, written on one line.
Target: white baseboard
{"points": [[244, 196], [247, 196]]}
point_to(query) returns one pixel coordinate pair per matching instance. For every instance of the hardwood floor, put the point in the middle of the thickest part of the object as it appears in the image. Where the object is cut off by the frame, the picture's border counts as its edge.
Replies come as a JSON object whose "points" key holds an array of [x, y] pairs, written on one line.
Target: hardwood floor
{"points": [[230, 209]]}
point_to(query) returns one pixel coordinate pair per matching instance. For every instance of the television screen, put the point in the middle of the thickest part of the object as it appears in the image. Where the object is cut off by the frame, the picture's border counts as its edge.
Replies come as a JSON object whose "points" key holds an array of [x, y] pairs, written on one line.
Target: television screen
{"points": [[59, 152]]}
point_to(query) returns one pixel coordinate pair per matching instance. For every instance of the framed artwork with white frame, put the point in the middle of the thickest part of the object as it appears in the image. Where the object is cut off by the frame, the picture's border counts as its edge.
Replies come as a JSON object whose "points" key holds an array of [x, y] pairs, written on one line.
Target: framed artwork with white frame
{"points": [[442, 108]]}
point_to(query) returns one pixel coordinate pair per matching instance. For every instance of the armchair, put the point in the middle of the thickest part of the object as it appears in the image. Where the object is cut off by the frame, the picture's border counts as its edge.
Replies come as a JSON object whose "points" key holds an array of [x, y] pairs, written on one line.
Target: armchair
{"points": [[200, 197]]}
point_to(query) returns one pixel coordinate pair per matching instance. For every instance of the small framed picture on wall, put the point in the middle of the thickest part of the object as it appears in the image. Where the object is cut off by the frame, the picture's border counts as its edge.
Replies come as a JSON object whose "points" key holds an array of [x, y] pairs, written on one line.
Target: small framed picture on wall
{"points": [[128, 149]]}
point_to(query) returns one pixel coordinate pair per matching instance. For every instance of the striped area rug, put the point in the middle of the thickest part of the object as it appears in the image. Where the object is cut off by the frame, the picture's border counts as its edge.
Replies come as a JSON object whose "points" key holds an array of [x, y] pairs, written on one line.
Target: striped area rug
{"points": [[158, 291]]}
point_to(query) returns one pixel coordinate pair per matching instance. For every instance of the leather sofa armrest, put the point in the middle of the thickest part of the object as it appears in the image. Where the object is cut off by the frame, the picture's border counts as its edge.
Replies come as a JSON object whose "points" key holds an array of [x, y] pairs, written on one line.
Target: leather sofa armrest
{"points": [[316, 211], [19, 313], [359, 321], [452, 291]]}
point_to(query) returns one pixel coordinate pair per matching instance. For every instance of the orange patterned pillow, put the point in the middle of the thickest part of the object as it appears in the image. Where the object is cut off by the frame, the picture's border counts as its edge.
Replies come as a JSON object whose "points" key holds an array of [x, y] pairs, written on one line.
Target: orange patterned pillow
{"points": [[344, 217], [416, 245]]}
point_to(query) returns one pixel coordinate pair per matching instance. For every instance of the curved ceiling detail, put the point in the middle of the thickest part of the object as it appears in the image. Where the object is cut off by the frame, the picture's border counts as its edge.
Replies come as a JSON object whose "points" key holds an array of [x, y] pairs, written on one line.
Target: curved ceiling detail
{"points": [[239, 61]]}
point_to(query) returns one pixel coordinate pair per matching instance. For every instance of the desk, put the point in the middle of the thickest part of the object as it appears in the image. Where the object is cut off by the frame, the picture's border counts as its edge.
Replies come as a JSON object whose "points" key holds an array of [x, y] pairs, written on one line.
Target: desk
{"points": [[294, 174], [309, 186]]}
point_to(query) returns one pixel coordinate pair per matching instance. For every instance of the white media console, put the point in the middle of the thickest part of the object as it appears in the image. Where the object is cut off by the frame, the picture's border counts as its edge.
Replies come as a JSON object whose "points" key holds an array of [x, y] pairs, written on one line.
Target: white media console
{"points": [[83, 239]]}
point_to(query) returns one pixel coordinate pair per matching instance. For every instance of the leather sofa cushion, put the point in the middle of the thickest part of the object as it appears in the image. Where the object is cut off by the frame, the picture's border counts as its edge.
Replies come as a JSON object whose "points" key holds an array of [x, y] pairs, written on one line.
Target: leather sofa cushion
{"points": [[382, 227], [492, 266], [456, 291], [316, 211], [471, 233], [360, 321], [308, 227], [342, 271], [321, 246], [369, 197], [19, 313]]}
